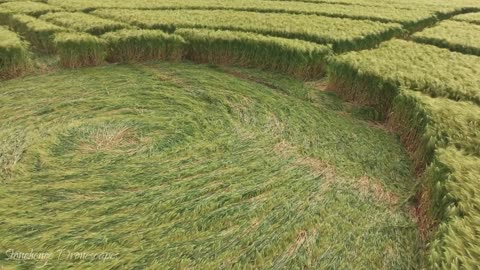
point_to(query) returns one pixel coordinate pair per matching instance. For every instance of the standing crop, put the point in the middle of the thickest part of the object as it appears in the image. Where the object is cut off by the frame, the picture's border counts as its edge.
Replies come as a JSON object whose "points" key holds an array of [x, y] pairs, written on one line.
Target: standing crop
{"points": [[414, 17], [14, 55], [469, 17], [374, 75], [343, 34], [84, 22], [454, 35], [38, 32], [79, 49], [299, 58], [139, 45], [29, 7]]}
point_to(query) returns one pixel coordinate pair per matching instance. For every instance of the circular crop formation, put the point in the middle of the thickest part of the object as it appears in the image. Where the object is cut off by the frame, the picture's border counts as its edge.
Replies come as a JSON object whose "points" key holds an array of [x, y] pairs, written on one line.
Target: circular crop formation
{"points": [[315, 134]]}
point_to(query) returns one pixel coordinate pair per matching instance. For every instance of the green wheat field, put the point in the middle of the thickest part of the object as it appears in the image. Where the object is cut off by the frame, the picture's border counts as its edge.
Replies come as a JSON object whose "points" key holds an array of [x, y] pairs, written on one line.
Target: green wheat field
{"points": [[240, 134]]}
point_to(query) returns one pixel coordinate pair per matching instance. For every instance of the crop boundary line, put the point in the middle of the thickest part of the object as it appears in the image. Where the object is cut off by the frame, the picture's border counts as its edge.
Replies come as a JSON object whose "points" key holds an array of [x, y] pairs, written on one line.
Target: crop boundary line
{"points": [[279, 11]]}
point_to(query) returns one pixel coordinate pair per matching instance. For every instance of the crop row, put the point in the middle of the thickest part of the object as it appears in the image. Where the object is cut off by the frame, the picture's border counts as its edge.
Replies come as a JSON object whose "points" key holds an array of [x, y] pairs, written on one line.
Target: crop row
{"points": [[38, 32], [299, 58], [426, 124], [149, 4], [79, 49], [454, 35], [418, 89], [28, 7], [296, 57], [303, 5], [434, 129], [140, 45], [426, 68], [447, 134], [412, 18], [343, 34], [469, 17], [14, 55], [452, 184], [83, 22], [406, 4], [376, 78]]}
